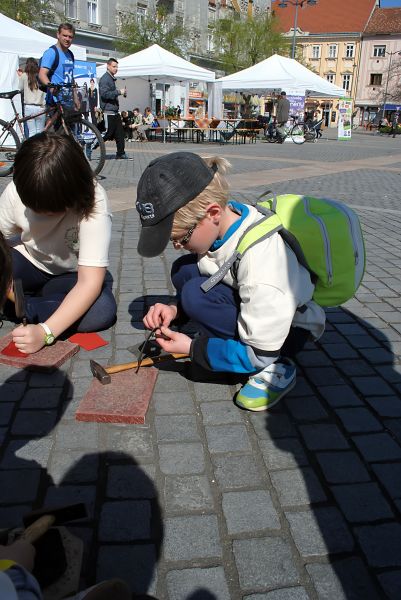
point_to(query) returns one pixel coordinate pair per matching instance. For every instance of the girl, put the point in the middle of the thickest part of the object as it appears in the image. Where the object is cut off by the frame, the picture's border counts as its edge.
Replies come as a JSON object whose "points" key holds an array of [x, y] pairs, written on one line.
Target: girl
{"points": [[34, 99]]}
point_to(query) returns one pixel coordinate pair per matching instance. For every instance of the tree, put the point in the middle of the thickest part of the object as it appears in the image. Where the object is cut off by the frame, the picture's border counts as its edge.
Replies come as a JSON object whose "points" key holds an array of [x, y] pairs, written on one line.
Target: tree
{"points": [[390, 80], [156, 28], [241, 43], [29, 12]]}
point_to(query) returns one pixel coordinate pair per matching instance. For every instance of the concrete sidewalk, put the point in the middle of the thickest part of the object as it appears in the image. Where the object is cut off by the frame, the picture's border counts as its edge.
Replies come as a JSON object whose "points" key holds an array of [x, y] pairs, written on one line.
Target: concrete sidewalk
{"points": [[205, 500]]}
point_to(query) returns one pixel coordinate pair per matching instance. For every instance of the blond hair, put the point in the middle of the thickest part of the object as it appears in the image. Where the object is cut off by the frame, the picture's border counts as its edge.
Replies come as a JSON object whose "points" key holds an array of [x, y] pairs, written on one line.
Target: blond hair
{"points": [[217, 191]]}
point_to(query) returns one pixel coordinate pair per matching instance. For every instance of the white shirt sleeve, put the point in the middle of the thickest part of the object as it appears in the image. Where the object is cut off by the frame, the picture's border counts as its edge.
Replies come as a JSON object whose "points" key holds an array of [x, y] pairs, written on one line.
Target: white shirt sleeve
{"points": [[8, 226], [95, 233]]}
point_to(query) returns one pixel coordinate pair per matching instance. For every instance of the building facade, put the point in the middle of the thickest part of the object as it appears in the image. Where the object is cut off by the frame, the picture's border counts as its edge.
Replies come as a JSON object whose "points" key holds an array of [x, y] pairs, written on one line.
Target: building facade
{"points": [[379, 82]]}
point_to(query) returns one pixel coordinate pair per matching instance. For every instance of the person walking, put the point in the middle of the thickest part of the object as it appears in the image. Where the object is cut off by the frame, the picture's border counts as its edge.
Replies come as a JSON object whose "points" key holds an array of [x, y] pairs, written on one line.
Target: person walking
{"points": [[283, 112], [109, 103], [34, 99]]}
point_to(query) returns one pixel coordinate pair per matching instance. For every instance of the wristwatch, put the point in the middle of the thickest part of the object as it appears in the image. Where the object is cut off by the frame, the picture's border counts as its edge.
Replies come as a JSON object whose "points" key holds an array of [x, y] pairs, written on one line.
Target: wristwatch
{"points": [[49, 336]]}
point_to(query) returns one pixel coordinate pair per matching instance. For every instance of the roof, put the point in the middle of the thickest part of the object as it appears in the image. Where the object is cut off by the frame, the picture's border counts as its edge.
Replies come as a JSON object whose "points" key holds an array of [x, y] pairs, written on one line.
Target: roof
{"points": [[327, 16], [385, 20]]}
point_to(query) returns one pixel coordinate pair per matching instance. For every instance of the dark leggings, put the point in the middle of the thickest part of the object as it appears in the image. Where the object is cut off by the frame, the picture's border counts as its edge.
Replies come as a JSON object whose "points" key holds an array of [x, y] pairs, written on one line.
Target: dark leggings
{"points": [[44, 293], [216, 312]]}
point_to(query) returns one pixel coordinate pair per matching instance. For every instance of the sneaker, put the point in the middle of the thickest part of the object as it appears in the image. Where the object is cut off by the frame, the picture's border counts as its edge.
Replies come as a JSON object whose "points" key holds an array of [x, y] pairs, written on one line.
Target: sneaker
{"points": [[122, 157], [265, 389]]}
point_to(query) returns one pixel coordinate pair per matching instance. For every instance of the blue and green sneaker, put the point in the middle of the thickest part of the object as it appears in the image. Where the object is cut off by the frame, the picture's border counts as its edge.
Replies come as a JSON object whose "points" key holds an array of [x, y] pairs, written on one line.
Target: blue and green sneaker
{"points": [[266, 388]]}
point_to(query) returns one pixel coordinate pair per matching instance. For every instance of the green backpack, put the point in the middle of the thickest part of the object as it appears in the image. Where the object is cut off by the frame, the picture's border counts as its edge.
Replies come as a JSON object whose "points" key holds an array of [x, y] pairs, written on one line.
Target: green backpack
{"points": [[325, 235]]}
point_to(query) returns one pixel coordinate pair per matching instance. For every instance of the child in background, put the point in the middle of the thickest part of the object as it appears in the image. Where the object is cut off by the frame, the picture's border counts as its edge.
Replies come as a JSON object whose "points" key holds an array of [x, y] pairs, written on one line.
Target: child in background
{"points": [[57, 223], [254, 322]]}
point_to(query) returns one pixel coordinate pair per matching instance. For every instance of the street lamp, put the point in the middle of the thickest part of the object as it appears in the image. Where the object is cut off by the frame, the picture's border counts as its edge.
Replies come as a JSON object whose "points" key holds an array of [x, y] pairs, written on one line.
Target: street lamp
{"points": [[391, 54], [296, 3]]}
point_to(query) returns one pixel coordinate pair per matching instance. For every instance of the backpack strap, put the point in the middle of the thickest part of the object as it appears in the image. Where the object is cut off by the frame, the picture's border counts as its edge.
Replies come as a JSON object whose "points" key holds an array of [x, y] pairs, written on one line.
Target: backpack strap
{"points": [[257, 232], [55, 62]]}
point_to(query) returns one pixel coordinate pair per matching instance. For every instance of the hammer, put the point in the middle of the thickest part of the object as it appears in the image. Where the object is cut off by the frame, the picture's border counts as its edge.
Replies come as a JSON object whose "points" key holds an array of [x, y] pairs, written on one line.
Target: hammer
{"points": [[103, 373]]}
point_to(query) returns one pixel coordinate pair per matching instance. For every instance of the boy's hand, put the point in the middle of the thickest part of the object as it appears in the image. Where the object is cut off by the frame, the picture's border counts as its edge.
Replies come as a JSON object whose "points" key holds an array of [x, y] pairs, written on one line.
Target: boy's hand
{"points": [[21, 552], [173, 341], [160, 314], [29, 339]]}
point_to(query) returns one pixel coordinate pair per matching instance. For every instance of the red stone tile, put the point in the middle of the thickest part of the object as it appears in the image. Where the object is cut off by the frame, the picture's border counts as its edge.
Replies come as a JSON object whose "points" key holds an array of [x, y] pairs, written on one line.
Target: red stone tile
{"points": [[47, 359], [124, 400]]}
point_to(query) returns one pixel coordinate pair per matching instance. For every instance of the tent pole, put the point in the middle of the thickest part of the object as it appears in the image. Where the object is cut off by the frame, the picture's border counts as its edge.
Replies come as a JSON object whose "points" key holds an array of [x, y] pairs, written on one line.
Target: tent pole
{"points": [[164, 113]]}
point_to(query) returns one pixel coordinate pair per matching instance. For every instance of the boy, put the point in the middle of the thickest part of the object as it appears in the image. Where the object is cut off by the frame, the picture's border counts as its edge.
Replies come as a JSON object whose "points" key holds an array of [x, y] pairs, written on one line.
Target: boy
{"points": [[254, 322], [58, 226]]}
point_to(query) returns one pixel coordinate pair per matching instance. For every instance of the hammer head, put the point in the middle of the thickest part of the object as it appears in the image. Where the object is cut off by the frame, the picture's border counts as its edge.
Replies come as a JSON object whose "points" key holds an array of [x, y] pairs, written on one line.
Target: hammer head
{"points": [[100, 373]]}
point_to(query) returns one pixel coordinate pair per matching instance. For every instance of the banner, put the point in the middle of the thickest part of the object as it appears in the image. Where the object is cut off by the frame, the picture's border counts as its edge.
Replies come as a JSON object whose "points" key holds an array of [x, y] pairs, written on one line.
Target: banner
{"points": [[85, 77], [297, 106], [344, 118]]}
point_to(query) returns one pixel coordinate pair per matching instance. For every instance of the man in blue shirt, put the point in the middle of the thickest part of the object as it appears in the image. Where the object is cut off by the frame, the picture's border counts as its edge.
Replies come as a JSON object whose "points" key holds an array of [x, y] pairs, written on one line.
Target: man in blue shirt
{"points": [[57, 63]]}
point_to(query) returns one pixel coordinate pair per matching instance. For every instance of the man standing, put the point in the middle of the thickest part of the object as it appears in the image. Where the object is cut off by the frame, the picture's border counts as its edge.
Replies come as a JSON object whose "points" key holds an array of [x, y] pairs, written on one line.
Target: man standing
{"points": [[283, 112], [57, 63], [109, 93]]}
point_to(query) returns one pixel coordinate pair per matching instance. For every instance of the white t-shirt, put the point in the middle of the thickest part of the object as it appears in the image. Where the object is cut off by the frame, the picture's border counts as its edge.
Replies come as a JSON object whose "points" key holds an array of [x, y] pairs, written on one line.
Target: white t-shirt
{"points": [[57, 243]]}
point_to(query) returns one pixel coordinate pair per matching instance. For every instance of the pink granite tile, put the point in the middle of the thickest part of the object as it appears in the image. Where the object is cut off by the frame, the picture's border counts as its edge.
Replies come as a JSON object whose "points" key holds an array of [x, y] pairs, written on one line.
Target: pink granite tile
{"points": [[124, 400], [47, 359]]}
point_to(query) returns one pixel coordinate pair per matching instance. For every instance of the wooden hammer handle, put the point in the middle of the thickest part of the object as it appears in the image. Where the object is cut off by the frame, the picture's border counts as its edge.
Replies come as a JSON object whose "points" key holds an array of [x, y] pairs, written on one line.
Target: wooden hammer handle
{"points": [[38, 528], [146, 362]]}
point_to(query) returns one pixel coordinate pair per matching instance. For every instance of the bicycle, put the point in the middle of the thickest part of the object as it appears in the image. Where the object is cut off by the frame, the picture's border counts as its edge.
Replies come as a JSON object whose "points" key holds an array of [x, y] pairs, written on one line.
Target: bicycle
{"points": [[71, 123], [295, 130]]}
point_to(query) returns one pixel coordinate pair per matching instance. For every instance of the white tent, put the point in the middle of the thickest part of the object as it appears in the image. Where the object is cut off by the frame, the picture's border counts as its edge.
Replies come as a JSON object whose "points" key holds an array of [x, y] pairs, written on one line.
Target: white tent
{"points": [[279, 72]]}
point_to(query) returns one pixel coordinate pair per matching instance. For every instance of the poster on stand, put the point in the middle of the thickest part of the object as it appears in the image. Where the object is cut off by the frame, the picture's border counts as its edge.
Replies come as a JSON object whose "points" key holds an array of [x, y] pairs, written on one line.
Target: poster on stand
{"points": [[344, 118], [85, 77], [297, 106]]}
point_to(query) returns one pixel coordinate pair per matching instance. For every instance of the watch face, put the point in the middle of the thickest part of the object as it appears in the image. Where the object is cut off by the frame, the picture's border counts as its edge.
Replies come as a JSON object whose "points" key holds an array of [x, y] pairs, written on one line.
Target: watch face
{"points": [[49, 339]]}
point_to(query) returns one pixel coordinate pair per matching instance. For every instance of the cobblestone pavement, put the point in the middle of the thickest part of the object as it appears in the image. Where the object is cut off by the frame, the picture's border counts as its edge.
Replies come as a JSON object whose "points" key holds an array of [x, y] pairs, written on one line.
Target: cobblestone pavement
{"points": [[206, 501]]}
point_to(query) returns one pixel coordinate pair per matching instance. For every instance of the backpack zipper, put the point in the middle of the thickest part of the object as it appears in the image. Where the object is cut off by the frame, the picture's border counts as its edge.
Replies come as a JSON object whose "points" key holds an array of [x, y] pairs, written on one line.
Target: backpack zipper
{"points": [[327, 249], [351, 228]]}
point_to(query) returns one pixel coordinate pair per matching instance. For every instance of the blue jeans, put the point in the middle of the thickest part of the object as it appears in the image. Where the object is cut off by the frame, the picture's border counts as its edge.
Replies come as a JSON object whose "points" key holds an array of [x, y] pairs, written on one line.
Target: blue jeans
{"points": [[44, 293]]}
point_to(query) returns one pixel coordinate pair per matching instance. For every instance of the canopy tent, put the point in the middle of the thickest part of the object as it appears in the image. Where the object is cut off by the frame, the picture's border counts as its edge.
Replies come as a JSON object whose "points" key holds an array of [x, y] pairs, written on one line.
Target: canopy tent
{"points": [[277, 73]]}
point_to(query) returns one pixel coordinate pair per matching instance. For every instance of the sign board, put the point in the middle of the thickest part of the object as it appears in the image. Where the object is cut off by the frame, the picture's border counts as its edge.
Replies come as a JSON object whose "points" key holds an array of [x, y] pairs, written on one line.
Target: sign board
{"points": [[344, 118], [297, 105]]}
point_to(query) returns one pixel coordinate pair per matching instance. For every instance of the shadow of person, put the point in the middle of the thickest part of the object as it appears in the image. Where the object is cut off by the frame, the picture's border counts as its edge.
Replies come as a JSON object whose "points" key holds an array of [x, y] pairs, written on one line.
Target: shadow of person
{"points": [[201, 594], [49, 459], [333, 451]]}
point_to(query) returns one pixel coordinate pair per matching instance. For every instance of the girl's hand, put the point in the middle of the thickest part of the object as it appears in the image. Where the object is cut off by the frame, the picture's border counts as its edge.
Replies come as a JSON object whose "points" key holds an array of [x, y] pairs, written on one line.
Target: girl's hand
{"points": [[173, 341], [160, 314], [21, 552], [29, 339]]}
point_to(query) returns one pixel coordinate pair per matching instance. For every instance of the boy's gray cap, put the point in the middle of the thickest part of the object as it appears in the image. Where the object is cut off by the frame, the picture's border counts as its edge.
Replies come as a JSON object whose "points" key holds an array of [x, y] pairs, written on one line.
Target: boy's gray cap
{"points": [[168, 183]]}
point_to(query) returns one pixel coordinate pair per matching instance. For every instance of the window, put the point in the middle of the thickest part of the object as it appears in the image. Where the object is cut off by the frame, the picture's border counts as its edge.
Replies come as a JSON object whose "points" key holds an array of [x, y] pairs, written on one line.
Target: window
{"points": [[349, 50], [93, 12], [141, 12], [379, 50], [330, 77], [212, 15], [376, 79], [71, 9], [315, 51], [210, 42], [346, 82], [333, 51]]}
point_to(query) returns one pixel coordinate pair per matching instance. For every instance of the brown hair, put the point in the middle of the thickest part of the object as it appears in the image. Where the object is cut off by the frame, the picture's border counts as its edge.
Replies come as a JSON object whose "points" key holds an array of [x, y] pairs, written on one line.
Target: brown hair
{"points": [[51, 174], [67, 26], [5, 269], [32, 70]]}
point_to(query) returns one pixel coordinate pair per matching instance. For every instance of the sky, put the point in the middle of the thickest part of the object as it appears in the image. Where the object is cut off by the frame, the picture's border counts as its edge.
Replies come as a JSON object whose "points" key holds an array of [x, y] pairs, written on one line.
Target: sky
{"points": [[388, 3]]}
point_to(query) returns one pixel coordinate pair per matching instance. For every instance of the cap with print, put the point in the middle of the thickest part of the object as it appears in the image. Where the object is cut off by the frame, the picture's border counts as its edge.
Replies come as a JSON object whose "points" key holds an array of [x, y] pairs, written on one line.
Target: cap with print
{"points": [[168, 183]]}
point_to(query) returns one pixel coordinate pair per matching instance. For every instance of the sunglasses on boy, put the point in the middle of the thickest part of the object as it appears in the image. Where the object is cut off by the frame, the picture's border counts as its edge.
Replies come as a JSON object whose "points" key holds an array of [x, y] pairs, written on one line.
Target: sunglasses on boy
{"points": [[184, 240]]}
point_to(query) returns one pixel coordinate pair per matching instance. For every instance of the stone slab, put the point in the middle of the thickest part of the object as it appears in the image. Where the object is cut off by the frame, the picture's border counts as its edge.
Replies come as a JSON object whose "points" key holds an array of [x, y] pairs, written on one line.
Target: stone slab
{"points": [[125, 400], [47, 359]]}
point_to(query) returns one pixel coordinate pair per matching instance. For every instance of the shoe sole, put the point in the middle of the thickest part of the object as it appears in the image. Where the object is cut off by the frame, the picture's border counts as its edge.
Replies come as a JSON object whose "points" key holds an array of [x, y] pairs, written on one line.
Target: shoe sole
{"points": [[264, 408]]}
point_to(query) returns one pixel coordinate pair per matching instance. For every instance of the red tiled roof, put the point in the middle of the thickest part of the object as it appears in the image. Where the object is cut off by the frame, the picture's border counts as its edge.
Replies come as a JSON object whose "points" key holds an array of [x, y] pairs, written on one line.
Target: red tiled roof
{"points": [[385, 20], [327, 16]]}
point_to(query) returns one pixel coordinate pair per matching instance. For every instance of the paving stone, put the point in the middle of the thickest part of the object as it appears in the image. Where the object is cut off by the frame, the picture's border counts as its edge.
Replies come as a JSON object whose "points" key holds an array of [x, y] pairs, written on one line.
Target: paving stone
{"points": [[342, 580], [324, 376], [131, 481], [386, 406], [320, 532], [197, 583], [70, 434], [135, 564], [47, 359], [249, 511], [381, 544], [74, 466], [358, 420], [227, 438], [6, 411], [284, 453], [33, 423], [342, 467], [207, 392], [125, 521], [236, 471], [220, 413], [362, 341], [181, 459], [377, 447], [13, 392], [372, 386], [294, 593], [13, 515], [297, 487], [323, 437], [355, 368], [173, 403], [19, 486], [302, 388], [135, 442], [391, 584], [313, 358], [377, 356], [56, 379], [180, 428], [191, 538], [341, 351], [31, 454], [338, 396], [390, 476], [65, 495], [394, 425], [188, 493], [306, 409], [272, 424], [264, 563], [362, 502]]}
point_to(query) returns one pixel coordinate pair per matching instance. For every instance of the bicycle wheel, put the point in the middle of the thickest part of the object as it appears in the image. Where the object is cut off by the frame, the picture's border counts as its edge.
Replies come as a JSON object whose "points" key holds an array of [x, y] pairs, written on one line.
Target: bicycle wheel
{"points": [[310, 135], [9, 144], [297, 134], [90, 139]]}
